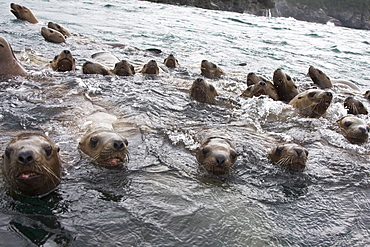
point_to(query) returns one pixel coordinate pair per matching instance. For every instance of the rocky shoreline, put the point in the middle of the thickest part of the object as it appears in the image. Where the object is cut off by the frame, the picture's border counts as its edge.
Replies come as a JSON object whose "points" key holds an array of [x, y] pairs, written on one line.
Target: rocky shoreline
{"points": [[351, 18]]}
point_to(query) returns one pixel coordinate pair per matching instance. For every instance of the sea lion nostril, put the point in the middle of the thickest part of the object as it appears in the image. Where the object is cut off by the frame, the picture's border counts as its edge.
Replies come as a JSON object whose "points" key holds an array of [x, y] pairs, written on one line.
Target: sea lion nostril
{"points": [[118, 144], [25, 157]]}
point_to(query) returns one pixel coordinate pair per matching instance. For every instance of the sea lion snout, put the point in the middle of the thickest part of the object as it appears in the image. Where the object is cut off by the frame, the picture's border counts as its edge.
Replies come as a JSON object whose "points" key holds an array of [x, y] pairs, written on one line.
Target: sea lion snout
{"points": [[262, 83], [66, 52], [25, 157], [119, 145]]}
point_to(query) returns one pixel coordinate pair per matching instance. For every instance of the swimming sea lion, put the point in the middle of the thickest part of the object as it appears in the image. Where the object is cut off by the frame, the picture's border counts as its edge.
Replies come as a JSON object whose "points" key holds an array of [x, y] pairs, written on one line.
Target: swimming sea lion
{"points": [[52, 35], [319, 78], [23, 13], [289, 155], [216, 155], [150, 68], [95, 68], [171, 61], [210, 70], [284, 85], [101, 143], [354, 106], [59, 28], [354, 129], [312, 102], [31, 164], [203, 92], [9, 64], [63, 62], [253, 78], [261, 88], [123, 68]]}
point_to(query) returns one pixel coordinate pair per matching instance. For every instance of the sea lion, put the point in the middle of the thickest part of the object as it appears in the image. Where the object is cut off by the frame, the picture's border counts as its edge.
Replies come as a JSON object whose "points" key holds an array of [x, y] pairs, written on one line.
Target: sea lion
{"points": [[171, 61], [203, 92], [284, 85], [9, 64], [367, 94], [101, 143], [216, 155], [253, 78], [59, 28], [354, 129], [52, 35], [210, 70], [261, 88], [319, 78], [289, 155], [354, 106], [63, 62], [95, 68], [150, 68], [312, 102], [23, 13], [31, 164], [123, 68]]}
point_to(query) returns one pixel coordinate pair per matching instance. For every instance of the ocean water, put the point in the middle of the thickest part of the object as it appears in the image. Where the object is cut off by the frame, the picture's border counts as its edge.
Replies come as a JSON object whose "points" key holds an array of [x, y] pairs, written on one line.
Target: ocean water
{"points": [[162, 199]]}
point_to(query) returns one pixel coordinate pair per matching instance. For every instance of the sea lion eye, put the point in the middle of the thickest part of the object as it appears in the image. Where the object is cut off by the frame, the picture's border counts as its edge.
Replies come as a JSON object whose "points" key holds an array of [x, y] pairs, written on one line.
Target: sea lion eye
{"points": [[51, 31], [360, 105], [8, 150], [312, 94], [288, 78], [56, 57], [214, 66], [278, 150], [212, 88], [48, 150], [347, 124], [1, 45], [233, 155], [206, 150], [249, 88], [125, 141], [93, 141], [306, 152]]}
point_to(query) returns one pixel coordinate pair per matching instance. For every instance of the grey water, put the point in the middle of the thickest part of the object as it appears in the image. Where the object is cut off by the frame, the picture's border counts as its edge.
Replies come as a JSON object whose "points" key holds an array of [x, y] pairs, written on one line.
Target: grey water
{"points": [[161, 198]]}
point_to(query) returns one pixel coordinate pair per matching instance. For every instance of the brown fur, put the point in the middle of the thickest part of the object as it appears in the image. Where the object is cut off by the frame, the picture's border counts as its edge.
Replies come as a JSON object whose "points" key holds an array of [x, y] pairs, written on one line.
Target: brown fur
{"points": [[210, 70], [261, 88], [95, 68], [216, 156], [23, 13], [203, 92], [312, 102], [150, 68], [59, 28], [63, 62], [123, 68], [171, 61], [253, 78], [52, 35], [9, 64], [354, 129], [354, 106], [31, 164], [290, 155], [284, 85], [319, 78]]}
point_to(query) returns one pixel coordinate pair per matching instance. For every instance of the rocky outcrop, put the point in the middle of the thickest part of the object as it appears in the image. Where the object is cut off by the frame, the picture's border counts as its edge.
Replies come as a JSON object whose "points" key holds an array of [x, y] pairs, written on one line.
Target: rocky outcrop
{"points": [[347, 18], [353, 18]]}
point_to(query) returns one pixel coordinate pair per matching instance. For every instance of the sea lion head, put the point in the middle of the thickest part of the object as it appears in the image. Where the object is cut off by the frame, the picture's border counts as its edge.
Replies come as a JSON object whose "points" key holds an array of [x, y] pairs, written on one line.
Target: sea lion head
{"points": [[354, 106], [367, 94], [312, 102], [216, 156], [284, 85], [52, 35], [203, 92], [319, 78], [210, 70], [94, 68], [105, 147], [354, 129], [63, 62], [31, 164], [171, 61], [59, 28], [289, 155], [150, 68], [9, 64], [123, 68], [261, 88], [23, 13], [253, 78]]}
